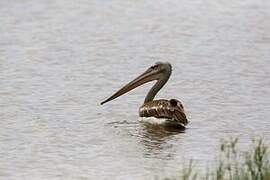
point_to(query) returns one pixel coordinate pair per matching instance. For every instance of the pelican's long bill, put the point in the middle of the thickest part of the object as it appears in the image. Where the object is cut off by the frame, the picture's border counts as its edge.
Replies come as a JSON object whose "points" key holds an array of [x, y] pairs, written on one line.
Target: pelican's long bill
{"points": [[147, 76]]}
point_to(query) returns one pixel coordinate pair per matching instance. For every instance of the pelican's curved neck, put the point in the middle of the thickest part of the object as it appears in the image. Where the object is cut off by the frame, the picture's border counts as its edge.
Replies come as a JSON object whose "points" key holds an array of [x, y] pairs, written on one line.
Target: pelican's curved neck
{"points": [[159, 84]]}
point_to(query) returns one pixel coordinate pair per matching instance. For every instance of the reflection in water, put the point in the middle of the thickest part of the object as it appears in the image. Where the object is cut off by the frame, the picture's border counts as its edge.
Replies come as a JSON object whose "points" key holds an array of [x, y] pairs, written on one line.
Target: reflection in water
{"points": [[155, 139], [158, 141]]}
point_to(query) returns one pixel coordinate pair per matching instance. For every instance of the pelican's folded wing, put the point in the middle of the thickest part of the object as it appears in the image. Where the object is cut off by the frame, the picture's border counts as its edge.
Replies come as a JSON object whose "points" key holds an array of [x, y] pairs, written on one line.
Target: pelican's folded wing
{"points": [[162, 108]]}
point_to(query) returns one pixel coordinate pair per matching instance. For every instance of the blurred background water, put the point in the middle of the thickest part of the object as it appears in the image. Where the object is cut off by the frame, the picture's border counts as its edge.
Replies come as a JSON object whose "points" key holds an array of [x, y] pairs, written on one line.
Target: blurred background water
{"points": [[60, 59]]}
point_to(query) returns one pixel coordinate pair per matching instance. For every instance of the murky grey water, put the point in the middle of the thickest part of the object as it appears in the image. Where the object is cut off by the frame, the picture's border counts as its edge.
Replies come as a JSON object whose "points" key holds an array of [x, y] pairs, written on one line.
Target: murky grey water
{"points": [[59, 59]]}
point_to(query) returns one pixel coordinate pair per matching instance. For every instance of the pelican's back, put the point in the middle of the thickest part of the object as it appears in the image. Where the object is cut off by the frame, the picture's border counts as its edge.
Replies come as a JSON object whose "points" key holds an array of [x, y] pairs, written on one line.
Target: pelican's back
{"points": [[169, 109]]}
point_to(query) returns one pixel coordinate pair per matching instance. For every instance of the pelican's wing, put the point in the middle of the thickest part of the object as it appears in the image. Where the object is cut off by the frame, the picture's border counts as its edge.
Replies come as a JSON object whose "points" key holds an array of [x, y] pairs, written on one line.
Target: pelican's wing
{"points": [[164, 109]]}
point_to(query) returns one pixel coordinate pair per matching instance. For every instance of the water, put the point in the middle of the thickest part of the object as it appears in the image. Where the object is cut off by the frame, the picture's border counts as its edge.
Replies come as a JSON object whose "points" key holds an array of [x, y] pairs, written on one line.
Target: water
{"points": [[60, 59]]}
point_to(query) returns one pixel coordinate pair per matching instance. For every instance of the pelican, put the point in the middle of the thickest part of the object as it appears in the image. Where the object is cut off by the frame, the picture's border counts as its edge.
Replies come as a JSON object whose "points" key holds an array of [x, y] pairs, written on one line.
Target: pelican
{"points": [[162, 110]]}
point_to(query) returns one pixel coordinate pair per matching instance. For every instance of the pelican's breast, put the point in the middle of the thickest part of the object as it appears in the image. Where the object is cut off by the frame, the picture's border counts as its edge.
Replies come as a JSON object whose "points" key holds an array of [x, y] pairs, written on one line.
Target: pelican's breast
{"points": [[171, 110]]}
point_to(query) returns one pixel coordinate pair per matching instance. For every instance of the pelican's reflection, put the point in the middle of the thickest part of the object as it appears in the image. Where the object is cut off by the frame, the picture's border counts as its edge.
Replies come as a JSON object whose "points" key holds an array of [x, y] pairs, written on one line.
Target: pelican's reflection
{"points": [[156, 139]]}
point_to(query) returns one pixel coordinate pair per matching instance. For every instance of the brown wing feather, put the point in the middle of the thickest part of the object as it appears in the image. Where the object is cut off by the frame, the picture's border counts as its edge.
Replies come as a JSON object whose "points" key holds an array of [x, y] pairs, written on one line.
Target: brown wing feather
{"points": [[172, 109]]}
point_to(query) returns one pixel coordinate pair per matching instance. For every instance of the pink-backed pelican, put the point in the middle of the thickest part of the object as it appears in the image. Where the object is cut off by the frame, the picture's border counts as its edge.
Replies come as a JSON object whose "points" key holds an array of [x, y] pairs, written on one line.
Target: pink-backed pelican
{"points": [[171, 110]]}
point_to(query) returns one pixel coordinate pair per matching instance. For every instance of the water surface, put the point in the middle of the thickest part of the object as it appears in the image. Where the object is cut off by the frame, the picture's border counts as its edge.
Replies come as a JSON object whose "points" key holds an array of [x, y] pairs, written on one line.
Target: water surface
{"points": [[60, 59]]}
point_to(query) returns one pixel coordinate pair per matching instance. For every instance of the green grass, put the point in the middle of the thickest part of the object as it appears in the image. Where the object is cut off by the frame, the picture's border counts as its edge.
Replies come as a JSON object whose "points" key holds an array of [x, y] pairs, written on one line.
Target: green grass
{"points": [[233, 164]]}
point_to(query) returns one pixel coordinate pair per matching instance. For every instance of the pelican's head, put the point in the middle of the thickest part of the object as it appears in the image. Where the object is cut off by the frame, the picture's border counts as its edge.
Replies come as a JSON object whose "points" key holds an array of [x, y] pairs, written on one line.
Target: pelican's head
{"points": [[158, 71]]}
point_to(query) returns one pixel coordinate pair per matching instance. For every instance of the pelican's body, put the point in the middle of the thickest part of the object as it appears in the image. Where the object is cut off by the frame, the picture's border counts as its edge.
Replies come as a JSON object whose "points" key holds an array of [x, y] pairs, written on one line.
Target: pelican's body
{"points": [[164, 110], [167, 110]]}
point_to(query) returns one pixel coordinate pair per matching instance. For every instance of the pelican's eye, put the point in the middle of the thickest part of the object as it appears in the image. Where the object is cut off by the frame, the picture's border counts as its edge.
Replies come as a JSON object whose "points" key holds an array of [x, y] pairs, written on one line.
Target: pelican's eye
{"points": [[155, 67]]}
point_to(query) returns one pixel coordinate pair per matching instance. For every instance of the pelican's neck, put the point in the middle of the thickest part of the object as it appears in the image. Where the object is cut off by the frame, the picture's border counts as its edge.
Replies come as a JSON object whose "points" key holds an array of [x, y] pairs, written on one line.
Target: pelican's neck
{"points": [[159, 84]]}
